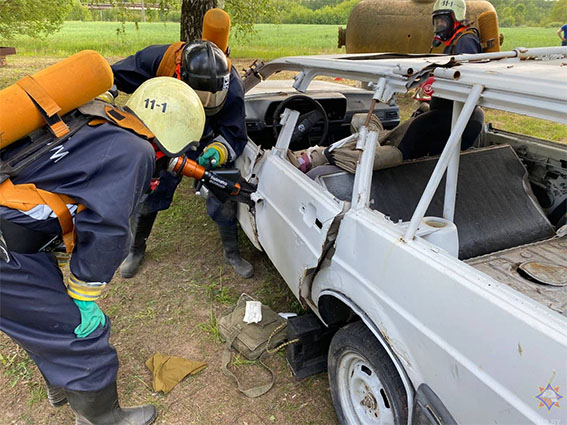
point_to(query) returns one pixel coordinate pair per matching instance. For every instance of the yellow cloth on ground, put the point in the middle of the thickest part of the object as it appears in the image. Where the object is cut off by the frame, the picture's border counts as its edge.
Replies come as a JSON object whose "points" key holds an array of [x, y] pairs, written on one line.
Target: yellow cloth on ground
{"points": [[168, 371]]}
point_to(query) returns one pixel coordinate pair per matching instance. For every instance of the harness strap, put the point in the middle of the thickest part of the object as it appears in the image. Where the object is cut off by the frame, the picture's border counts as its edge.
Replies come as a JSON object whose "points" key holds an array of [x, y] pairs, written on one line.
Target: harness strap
{"points": [[97, 121], [171, 60], [101, 112], [253, 392], [45, 104], [24, 197], [129, 121], [459, 34]]}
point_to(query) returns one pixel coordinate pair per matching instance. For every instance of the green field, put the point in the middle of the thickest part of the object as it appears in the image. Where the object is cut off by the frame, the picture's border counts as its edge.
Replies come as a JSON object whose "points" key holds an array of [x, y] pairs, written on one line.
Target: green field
{"points": [[269, 41]]}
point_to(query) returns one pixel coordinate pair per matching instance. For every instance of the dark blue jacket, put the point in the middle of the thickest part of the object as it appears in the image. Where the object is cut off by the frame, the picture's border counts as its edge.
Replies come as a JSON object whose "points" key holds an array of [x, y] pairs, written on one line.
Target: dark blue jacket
{"points": [[228, 123], [468, 43], [107, 169]]}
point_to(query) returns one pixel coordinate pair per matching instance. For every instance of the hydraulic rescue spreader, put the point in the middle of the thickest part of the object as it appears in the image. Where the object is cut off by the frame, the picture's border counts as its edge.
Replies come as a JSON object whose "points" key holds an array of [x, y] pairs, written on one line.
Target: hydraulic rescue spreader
{"points": [[224, 184]]}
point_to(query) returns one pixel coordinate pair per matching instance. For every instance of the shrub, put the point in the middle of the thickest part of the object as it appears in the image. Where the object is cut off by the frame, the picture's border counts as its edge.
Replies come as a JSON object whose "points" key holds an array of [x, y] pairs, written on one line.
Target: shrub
{"points": [[79, 12]]}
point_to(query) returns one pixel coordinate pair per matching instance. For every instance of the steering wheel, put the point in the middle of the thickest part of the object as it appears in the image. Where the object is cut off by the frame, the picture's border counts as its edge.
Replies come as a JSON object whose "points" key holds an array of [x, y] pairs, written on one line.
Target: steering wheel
{"points": [[306, 121]]}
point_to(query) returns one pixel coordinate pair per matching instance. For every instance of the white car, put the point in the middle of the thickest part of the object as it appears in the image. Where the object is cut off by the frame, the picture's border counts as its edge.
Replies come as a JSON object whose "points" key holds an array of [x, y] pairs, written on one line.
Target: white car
{"points": [[447, 275]]}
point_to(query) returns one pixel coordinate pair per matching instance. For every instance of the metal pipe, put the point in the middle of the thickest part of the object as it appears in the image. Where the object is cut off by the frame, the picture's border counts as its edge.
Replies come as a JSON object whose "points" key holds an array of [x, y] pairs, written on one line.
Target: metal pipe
{"points": [[520, 52], [288, 121], [362, 133], [443, 162], [448, 73], [452, 170], [363, 175]]}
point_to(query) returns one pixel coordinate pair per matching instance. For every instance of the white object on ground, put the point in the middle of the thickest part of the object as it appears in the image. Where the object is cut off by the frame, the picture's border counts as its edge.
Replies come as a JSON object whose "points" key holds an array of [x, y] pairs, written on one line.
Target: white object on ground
{"points": [[253, 313]]}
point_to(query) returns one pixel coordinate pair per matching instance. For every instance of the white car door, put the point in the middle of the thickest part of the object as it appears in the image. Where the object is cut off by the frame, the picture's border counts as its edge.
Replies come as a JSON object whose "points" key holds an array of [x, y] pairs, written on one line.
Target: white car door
{"points": [[293, 217], [246, 163]]}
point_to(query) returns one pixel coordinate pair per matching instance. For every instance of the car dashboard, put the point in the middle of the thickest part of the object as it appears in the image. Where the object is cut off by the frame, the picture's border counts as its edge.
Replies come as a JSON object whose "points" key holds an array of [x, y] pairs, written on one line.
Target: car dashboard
{"points": [[339, 101]]}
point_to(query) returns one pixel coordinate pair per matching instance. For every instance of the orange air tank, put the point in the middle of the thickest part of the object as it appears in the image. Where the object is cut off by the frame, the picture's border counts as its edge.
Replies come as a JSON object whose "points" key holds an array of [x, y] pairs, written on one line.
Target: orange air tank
{"points": [[216, 28], [65, 86], [401, 26]]}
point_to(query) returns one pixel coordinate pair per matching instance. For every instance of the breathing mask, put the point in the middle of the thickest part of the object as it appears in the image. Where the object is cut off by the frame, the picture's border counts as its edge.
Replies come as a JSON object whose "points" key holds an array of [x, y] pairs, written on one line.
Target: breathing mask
{"points": [[443, 27]]}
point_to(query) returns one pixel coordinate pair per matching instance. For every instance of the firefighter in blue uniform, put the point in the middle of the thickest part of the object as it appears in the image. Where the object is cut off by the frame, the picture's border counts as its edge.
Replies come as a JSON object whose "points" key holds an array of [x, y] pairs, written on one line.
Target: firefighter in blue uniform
{"points": [[206, 68], [98, 176], [429, 132]]}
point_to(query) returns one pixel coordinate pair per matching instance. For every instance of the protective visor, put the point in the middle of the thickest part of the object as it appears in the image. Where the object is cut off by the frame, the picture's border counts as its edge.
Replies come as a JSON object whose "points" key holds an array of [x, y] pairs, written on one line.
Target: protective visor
{"points": [[212, 102], [443, 26]]}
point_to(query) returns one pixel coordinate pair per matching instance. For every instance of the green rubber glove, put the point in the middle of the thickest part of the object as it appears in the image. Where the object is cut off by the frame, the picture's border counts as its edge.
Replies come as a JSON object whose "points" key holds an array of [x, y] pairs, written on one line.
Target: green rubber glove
{"points": [[91, 317], [209, 159]]}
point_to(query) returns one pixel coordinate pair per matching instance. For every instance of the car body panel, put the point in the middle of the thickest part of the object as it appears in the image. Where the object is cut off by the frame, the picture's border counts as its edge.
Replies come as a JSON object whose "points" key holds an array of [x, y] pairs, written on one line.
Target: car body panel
{"points": [[410, 292], [294, 217], [247, 161]]}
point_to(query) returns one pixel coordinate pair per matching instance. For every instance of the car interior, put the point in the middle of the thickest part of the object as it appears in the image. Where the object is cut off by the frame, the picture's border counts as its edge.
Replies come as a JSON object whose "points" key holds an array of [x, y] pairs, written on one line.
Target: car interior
{"points": [[495, 207], [502, 229], [325, 117]]}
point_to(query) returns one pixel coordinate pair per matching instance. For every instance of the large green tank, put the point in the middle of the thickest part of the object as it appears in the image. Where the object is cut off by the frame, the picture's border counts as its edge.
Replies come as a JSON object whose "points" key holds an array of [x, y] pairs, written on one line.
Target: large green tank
{"points": [[403, 26]]}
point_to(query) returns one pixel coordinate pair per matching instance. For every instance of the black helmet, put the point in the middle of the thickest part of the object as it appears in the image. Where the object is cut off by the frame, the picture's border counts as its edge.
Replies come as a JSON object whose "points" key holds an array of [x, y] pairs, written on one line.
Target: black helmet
{"points": [[205, 68]]}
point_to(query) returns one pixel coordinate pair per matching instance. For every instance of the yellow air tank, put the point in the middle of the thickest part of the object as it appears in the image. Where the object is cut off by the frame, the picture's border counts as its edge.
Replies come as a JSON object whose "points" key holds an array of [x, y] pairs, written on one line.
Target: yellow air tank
{"points": [[403, 26], [63, 86]]}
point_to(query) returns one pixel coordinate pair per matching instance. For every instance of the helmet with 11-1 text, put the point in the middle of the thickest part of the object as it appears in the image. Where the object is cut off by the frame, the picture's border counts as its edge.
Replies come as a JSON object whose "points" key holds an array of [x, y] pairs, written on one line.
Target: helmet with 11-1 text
{"points": [[171, 110]]}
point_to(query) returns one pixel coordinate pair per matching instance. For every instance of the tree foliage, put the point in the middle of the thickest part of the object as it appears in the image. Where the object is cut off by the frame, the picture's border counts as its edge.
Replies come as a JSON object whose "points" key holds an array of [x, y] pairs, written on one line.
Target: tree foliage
{"points": [[524, 12], [32, 17], [245, 13], [318, 4], [559, 12], [295, 12]]}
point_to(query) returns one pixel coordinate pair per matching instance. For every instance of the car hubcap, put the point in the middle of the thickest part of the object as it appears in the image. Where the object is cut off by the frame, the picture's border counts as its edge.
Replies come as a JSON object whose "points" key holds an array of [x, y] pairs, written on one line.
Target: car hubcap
{"points": [[363, 397]]}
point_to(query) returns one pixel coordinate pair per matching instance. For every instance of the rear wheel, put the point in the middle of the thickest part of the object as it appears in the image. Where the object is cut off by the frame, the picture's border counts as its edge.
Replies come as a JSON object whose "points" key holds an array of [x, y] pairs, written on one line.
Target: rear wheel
{"points": [[365, 385]]}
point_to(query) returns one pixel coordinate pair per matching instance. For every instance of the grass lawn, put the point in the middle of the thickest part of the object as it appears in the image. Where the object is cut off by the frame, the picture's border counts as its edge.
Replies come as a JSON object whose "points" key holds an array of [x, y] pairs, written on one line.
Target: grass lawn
{"points": [[269, 41]]}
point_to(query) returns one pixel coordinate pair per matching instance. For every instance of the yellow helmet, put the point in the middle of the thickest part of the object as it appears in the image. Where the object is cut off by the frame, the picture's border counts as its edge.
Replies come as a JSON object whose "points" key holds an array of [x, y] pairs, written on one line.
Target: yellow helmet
{"points": [[457, 7], [171, 110]]}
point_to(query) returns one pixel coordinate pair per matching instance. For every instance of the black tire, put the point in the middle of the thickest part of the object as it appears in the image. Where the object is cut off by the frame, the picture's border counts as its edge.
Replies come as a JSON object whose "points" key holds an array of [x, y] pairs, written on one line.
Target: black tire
{"points": [[365, 385]]}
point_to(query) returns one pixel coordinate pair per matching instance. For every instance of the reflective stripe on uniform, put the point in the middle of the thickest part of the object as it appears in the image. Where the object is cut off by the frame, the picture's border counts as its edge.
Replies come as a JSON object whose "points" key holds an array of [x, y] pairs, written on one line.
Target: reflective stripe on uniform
{"points": [[25, 197], [84, 291]]}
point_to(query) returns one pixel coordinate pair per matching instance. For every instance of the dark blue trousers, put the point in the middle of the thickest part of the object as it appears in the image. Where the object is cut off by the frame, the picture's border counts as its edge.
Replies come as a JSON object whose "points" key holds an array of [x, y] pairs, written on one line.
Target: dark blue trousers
{"points": [[37, 313]]}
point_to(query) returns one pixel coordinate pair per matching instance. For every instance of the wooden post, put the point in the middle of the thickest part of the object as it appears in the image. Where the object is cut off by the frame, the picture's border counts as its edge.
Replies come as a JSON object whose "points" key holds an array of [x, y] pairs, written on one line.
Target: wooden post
{"points": [[5, 51]]}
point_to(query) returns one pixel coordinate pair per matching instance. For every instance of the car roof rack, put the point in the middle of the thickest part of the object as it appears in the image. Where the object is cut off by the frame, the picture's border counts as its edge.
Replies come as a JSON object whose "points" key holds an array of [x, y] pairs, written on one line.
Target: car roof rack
{"points": [[530, 87]]}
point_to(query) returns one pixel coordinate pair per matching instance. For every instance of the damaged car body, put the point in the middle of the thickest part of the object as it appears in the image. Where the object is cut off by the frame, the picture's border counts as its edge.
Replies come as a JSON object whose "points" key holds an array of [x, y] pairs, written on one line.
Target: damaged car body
{"points": [[446, 275]]}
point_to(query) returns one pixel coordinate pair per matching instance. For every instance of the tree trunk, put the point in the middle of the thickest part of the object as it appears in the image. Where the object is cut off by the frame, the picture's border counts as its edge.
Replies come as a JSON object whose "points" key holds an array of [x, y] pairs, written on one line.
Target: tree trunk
{"points": [[192, 12]]}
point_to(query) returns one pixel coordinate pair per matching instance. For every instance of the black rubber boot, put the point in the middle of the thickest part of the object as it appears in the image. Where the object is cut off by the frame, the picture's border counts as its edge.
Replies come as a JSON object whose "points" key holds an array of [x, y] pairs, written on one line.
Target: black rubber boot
{"points": [[55, 395], [229, 238], [102, 408], [142, 230]]}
